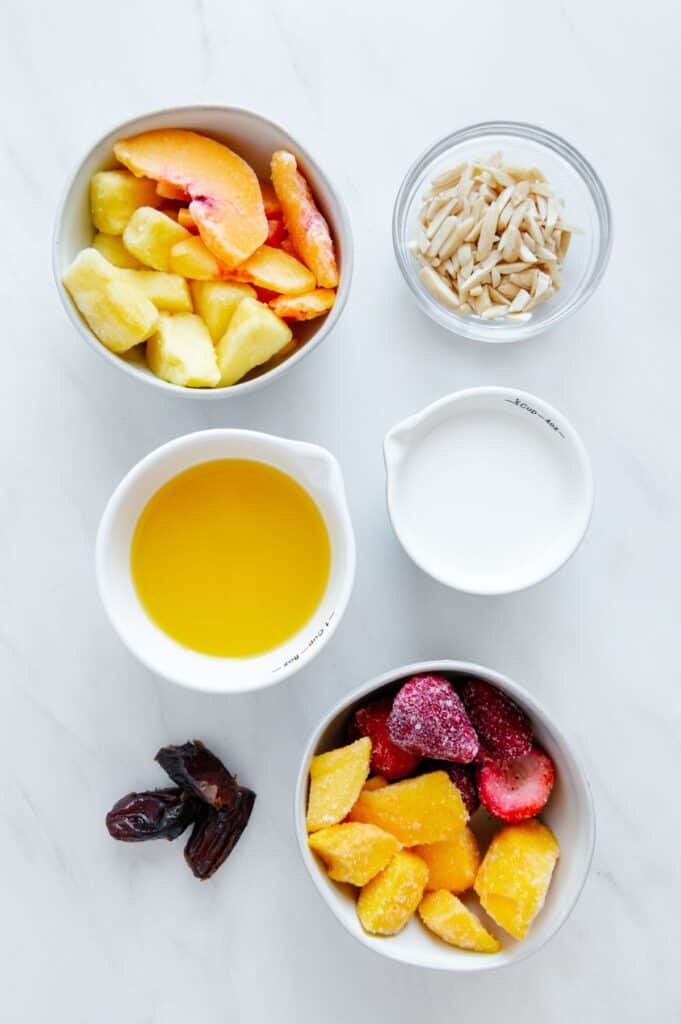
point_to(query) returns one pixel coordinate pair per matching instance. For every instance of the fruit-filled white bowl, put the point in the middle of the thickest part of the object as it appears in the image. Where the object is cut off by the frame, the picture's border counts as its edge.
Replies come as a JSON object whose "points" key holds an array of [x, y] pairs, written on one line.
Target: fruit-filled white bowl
{"points": [[569, 814], [314, 468], [254, 138]]}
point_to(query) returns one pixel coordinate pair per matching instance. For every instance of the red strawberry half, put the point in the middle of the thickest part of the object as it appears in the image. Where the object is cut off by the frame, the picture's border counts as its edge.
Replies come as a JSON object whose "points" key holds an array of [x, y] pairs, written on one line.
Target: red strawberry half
{"points": [[429, 720], [463, 777], [519, 789], [503, 728], [386, 758]]}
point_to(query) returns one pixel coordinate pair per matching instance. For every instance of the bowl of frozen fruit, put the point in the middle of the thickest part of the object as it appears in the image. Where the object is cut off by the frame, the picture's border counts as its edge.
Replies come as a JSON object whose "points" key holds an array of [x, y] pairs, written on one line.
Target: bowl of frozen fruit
{"points": [[202, 250], [444, 818]]}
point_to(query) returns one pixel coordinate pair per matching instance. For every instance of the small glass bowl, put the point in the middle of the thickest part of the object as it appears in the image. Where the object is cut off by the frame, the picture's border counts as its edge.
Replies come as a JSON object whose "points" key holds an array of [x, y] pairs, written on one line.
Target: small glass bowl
{"points": [[575, 181]]}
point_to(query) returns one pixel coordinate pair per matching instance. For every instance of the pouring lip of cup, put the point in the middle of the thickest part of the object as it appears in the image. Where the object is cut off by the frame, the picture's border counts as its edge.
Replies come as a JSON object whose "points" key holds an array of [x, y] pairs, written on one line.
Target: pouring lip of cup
{"points": [[160, 653], [407, 434]]}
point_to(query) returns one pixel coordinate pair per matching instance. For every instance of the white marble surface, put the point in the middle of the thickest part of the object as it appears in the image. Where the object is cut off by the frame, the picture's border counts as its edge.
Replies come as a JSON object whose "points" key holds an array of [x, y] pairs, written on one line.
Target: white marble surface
{"points": [[94, 931]]}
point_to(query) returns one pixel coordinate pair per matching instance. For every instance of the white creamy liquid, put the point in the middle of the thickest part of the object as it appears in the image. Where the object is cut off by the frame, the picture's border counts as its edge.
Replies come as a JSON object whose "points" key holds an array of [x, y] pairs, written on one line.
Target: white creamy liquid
{"points": [[490, 494]]}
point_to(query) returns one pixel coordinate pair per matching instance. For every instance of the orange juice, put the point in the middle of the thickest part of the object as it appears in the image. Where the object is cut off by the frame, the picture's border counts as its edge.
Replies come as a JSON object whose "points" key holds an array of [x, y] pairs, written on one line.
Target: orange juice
{"points": [[231, 558]]}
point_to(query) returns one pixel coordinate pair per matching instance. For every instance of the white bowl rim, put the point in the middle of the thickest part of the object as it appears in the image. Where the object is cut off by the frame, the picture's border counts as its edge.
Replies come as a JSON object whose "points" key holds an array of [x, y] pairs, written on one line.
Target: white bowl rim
{"points": [[475, 330], [139, 470], [342, 292], [528, 701], [570, 434]]}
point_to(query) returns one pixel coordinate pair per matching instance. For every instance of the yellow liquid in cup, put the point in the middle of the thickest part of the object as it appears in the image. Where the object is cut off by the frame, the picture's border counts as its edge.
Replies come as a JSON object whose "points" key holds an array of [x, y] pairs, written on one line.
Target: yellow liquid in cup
{"points": [[231, 558]]}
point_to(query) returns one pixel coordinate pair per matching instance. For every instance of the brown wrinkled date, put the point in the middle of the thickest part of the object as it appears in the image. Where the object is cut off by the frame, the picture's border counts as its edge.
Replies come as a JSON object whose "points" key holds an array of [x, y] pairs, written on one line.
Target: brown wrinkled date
{"points": [[207, 796], [216, 833], [200, 772]]}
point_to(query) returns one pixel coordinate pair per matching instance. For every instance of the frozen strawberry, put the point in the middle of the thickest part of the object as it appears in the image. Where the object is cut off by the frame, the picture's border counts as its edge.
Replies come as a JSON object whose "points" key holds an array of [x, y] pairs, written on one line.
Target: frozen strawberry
{"points": [[429, 720], [504, 730], [519, 789], [463, 777], [386, 758]]}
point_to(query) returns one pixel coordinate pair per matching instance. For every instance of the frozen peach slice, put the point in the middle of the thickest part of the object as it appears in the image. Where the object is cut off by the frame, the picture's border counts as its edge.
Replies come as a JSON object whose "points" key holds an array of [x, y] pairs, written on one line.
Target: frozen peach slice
{"points": [[185, 218], [387, 902], [304, 307], [191, 258], [337, 776], [305, 224], [276, 232], [269, 198], [168, 191], [275, 270], [515, 874], [354, 852], [453, 922], [226, 201], [453, 863]]}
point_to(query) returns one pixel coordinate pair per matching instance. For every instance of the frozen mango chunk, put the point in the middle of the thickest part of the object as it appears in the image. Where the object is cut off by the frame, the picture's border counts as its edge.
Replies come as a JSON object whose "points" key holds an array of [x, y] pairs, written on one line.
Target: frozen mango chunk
{"points": [[116, 311], [253, 336], [427, 809], [215, 302], [150, 235], [336, 779], [515, 874], [354, 852], [443, 913], [167, 291], [375, 782], [387, 902], [453, 863], [114, 197], [181, 352]]}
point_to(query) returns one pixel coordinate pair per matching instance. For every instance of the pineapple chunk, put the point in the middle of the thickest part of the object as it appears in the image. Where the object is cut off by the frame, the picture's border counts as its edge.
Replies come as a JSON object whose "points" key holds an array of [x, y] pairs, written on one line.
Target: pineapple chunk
{"points": [[427, 809], [191, 258], [336, 778], [113, 250], [387, 902], [375, 782], [254, 335], [354, 852], [181, 352], [215, 302], [452, 921], [453, 863], [116, 310], [114, 197], [167, 291], [150, 235], [515, 874]]}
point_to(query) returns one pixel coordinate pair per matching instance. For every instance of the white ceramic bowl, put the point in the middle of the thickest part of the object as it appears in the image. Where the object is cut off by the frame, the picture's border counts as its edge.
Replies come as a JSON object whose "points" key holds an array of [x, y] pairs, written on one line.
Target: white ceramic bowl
{"points": [[254, 138], [314, 468], [569, 814], [489, 490]]}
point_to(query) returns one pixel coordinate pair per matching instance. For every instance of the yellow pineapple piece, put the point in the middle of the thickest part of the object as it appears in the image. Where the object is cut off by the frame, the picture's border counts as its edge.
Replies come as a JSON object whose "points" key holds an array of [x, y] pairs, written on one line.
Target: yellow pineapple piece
{"points": [[375, 782], [449, 918], [191, 258], [113, 250], [150, 235], [354, 852], [114, 197], [515, 874], [453, 863], [117, 311], [336, 778], [427, 809], [254, 335], [386, 903], [215, 302], [181, 351], [168, 292]]}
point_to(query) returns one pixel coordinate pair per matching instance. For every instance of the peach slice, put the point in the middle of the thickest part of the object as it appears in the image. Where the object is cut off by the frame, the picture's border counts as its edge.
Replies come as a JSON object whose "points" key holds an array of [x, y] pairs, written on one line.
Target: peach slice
{"points": [[275, 270], [304, 307], [226, 201], [168, 191], [306, 225], [269, 198], [276, 232], [185, 218]]}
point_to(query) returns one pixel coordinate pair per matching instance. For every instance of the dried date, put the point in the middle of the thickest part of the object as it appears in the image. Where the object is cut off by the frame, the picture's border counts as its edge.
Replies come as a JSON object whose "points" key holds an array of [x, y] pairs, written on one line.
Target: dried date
{"points": [[193, 767], [156, 814], [216, 833]]}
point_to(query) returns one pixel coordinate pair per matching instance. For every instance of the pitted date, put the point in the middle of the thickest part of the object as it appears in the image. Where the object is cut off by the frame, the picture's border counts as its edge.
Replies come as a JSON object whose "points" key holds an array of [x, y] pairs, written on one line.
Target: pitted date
{"points": [[193, 767], [156, 814], [216, 833]]}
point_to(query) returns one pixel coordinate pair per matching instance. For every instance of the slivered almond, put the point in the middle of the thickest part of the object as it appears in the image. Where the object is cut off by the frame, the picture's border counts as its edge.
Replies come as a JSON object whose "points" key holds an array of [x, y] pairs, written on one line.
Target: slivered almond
{"points": [[519, 302], [437, 287]]}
